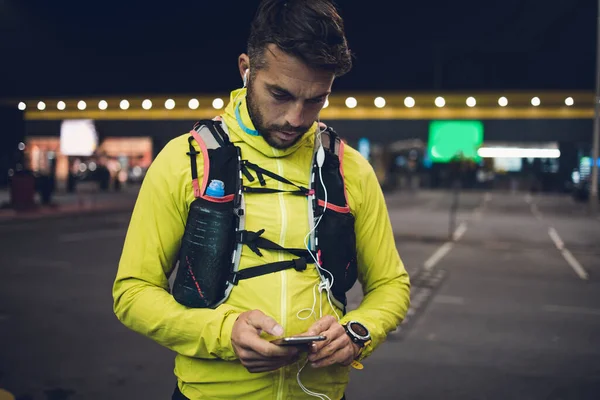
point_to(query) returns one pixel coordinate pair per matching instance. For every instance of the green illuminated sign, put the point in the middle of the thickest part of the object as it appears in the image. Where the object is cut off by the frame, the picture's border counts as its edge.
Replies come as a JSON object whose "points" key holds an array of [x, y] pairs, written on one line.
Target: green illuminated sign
{"points": [[449, 139]]}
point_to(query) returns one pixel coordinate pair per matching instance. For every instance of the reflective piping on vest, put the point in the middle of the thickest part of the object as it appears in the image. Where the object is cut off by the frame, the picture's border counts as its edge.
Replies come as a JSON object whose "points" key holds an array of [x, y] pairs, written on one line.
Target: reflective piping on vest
{"points": [[313, 239], [205, 134], [242, 221], [249, 131]]}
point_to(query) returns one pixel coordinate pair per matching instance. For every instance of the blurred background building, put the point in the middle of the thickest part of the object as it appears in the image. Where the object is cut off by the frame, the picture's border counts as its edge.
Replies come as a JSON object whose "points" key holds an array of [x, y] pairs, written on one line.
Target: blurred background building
{"points": [[500, 91], [517, 141]]}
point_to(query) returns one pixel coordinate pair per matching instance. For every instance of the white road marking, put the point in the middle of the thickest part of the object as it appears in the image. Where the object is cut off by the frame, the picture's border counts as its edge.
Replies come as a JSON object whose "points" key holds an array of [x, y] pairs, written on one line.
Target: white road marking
{"points": [[459, 232], [572, 310], [577, 267], [568, 256], [536, 212], [99, 234], [556, 239], [455, 300], [438, 255], [446, 247], [534, 208]]}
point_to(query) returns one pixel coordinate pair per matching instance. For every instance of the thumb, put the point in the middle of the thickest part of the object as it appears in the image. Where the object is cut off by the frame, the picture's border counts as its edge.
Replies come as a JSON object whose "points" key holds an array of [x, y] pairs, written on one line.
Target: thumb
{"points": [[263, 322]]}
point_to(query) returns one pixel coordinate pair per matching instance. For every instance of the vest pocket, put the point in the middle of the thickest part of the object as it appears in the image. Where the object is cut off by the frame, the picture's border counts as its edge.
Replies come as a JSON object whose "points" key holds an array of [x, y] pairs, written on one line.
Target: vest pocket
{"points": [[337, 242], [205, 254]]}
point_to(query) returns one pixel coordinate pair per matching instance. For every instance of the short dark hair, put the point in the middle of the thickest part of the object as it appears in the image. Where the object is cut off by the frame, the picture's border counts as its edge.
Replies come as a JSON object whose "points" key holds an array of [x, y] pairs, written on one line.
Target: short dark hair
{"points": [[311, 30]]}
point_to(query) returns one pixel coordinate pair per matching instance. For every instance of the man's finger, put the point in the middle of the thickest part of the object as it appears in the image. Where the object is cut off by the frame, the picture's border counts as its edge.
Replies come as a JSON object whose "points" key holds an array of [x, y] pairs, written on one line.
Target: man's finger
{"points": [[343, 356], [260, 321], [327, 351], [266, 349], [322, 325], [334, 332], [316, 346], [276, 353]]}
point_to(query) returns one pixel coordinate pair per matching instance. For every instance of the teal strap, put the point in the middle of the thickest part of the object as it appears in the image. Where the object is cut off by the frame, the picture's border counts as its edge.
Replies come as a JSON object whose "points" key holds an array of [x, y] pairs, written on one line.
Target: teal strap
{"points": [[249, 131]]}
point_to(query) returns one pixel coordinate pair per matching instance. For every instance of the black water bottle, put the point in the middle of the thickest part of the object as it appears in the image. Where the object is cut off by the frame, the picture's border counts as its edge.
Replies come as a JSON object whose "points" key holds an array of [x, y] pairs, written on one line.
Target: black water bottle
{"points": [[206, 251]]}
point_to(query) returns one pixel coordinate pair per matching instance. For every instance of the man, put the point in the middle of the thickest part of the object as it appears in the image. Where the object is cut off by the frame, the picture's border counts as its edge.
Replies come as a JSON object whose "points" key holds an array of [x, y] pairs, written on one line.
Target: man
{"points": [[295, 51]]}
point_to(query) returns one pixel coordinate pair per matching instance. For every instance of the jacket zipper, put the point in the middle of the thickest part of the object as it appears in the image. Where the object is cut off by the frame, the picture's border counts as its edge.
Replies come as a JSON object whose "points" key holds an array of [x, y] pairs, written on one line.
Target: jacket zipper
{"points": [[283, 321]]}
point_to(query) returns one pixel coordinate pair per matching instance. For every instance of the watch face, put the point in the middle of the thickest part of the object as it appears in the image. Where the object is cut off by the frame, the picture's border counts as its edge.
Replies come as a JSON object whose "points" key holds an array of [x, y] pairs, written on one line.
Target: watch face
{"points": [[359, 329]]}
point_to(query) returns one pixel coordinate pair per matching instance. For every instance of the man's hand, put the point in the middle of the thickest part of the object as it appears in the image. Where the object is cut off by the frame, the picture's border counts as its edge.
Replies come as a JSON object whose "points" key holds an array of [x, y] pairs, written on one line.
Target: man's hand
{"points": [[338, 348], [256, 353]]}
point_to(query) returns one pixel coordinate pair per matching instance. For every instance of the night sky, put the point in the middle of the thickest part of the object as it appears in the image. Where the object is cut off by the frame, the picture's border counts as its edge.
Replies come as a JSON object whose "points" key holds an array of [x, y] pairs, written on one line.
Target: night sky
{"points": [[87, 48]]}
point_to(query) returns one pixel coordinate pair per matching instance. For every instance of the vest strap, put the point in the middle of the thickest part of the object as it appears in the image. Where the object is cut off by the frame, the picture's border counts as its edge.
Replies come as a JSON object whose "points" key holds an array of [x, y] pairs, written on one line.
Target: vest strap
{"points": [[261, 171], [255, 242], [299, 264], [218, 129], [246, 173], [303, 192], [193, 153]]}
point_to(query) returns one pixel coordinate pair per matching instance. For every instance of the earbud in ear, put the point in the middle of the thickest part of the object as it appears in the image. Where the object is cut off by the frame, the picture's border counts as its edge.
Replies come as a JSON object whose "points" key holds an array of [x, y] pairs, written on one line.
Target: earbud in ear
{"points": [[246, 77]]}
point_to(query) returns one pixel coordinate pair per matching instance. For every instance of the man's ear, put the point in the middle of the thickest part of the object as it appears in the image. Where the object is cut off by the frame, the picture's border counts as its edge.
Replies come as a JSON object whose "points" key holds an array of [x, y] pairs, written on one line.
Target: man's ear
{"points": [[244, 67]]}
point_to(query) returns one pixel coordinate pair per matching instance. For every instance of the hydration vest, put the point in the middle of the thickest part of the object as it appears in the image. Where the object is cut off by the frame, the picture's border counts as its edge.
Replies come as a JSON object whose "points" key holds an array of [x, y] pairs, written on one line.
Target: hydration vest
{"points": [[214, 236]]}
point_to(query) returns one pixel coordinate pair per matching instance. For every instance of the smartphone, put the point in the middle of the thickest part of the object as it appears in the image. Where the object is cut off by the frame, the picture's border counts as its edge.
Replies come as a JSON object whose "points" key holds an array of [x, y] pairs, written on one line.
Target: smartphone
{"points": [[297, 340]]}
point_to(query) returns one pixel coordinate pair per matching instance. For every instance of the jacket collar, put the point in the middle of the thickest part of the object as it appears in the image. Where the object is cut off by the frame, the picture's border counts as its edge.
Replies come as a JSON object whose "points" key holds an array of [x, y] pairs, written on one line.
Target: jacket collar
{"points": [[241, 128]]}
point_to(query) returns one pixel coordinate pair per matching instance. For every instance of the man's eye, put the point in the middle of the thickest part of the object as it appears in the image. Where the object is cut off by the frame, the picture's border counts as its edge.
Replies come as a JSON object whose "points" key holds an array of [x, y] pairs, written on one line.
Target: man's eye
{"points": [[280, 96], [317, 101]]}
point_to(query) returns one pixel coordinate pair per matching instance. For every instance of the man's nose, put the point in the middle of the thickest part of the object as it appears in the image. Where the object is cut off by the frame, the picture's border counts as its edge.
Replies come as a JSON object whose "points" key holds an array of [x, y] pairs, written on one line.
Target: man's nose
{"points": [[295, 116]]}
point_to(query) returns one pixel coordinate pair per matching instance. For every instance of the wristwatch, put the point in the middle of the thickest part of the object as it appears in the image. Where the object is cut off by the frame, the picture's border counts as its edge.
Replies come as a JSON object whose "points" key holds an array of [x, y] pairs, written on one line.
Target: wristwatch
{"points": [[358, 333]]}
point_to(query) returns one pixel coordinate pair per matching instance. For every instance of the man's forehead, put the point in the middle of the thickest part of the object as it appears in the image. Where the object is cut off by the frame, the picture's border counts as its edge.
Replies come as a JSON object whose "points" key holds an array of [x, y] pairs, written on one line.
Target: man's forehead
{"points": [[273, 55], [281, 66]]}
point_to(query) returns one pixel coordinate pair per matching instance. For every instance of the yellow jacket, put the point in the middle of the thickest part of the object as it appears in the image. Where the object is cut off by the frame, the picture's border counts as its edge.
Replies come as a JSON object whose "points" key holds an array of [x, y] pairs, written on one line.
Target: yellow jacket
{"points": [[206, 365]]}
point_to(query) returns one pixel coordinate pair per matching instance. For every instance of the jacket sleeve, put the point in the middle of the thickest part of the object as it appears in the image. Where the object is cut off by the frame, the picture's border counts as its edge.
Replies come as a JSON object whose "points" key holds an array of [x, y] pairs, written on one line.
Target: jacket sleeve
{"points": [[384, 280], [142, 300]]}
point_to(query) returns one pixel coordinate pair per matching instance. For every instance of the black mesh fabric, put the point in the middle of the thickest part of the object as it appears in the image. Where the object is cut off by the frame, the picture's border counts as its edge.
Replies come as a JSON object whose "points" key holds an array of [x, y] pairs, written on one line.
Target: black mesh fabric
{"points": [[337, 243], [333, 181], [205, 256], [209, 239], [224, 167], [337, 239]]}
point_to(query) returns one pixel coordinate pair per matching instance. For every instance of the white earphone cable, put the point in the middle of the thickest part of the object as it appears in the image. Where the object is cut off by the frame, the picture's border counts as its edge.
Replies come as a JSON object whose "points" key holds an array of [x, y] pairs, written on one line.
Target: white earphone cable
{"points": [[325, 284]]}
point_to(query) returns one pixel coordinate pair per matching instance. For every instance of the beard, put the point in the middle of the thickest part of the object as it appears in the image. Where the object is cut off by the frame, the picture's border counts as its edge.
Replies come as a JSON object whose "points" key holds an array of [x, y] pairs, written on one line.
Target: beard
{"points": [[268, 132]]}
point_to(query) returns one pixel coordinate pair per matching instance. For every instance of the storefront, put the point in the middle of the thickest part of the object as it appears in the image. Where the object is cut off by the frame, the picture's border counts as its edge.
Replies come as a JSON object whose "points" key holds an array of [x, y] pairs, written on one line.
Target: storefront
{"points": [[113, 162]]}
